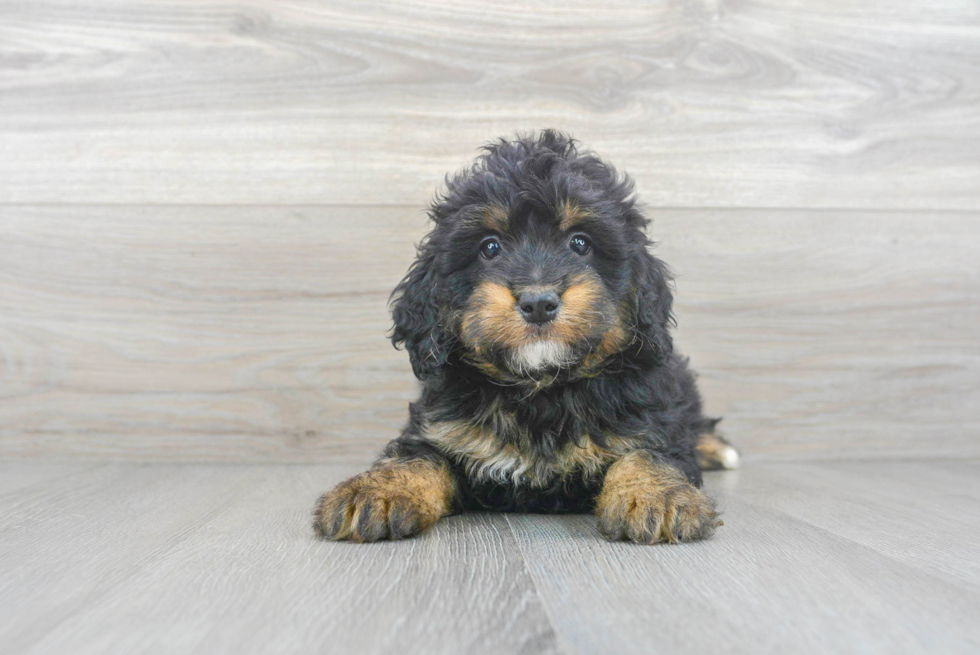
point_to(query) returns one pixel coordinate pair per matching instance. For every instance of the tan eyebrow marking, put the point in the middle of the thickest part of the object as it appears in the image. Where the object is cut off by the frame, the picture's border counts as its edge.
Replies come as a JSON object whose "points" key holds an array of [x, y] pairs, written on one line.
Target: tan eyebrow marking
{"points": [[571, 214], [495, 217]]}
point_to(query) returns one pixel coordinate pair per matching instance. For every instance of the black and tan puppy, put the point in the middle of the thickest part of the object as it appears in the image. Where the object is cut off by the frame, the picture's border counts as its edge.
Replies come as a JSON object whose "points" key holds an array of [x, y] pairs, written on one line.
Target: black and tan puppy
{"points": [[539, 324]]}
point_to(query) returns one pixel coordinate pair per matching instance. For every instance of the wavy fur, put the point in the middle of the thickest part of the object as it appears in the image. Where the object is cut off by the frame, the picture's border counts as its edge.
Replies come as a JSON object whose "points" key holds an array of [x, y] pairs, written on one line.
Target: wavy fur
{"points": [[518, 426]]}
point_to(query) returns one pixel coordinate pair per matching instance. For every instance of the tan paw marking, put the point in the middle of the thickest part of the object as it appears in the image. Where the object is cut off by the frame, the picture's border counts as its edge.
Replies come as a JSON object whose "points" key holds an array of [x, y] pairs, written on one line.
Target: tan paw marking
{"points": [[647, 502], [396, 499]]}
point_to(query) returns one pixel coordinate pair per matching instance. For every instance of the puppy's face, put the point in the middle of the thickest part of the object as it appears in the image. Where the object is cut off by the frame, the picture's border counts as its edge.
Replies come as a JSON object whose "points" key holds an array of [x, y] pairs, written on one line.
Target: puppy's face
{"points": [[537, 290], [537, 269]]}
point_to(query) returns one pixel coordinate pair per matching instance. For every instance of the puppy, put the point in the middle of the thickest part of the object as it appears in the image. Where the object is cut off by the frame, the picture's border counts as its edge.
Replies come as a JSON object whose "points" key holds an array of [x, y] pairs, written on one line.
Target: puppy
{"points": [[539, 324]]}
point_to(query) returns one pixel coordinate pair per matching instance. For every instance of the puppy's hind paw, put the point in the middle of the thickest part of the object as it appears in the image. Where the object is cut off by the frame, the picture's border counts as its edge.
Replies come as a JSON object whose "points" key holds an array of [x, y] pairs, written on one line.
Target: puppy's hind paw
{"points": [[714, 453]]}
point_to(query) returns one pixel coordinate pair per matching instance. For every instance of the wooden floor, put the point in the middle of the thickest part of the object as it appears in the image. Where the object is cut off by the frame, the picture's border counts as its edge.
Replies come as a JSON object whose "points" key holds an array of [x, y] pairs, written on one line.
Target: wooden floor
{"points": [[817, 557]]}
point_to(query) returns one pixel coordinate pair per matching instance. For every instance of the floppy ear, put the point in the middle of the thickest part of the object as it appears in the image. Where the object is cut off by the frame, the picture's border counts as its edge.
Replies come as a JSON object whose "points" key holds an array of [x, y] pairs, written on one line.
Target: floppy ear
{"points": [[653, 315], [415, 310]]}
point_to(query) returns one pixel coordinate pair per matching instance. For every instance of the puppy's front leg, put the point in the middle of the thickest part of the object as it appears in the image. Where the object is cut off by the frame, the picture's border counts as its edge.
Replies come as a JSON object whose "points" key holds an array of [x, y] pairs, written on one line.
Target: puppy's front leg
{"points": [[397, 498], [647, 500]]}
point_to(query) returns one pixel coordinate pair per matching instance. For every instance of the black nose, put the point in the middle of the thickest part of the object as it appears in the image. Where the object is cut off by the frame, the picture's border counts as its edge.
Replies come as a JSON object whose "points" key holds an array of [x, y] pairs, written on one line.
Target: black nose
{"points": [[538, 306]]}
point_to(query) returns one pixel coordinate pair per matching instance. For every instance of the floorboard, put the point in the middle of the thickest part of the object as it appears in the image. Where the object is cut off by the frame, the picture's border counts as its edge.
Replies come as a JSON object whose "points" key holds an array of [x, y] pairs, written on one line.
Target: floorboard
{"points": [[242, 573], [67, 543], [203, 558], [922, 513], [766, 583]]}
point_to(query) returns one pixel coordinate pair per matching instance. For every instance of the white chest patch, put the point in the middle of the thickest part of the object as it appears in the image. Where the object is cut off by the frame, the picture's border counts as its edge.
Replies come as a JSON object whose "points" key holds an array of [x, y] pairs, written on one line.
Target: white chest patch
{"points": [[486, 457]]}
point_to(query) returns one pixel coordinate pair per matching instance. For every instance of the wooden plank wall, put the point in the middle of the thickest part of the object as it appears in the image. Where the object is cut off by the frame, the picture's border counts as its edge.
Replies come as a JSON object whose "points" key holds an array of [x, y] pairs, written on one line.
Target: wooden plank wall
{"points": [[203, 206]]}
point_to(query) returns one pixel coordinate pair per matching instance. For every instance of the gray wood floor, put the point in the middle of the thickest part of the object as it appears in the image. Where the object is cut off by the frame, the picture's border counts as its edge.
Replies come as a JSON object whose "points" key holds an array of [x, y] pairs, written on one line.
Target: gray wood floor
{"points": [[815, 557]]}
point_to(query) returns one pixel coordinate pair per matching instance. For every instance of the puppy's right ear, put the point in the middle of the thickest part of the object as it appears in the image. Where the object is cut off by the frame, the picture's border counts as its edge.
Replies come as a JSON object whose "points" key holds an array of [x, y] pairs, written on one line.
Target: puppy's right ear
{"points": [[415, 310]]}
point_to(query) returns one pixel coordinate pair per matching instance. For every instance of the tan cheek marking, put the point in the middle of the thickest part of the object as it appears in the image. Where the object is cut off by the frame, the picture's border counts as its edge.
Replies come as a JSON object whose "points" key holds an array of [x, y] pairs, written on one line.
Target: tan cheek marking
{"points": [[492, 319], [581, 295], [581, 310], [615, 340]]}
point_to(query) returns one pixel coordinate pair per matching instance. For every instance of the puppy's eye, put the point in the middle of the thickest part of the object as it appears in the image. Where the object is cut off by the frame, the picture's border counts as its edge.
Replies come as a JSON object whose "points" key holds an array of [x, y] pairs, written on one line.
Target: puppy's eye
{"points": [[490, 248], [580, 244]]}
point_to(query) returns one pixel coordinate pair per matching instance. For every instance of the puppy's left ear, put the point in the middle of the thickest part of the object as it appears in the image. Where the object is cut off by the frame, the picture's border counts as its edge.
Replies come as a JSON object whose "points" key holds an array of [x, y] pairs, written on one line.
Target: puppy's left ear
{"points": [[653, 315], [415, 310]]}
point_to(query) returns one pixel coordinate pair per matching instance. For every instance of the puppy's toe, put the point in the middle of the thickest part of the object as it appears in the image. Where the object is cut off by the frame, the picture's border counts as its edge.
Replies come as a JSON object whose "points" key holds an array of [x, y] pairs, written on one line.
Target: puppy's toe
{"points": [[688, 515], [611, 524], [404, 519], [333, 514]]}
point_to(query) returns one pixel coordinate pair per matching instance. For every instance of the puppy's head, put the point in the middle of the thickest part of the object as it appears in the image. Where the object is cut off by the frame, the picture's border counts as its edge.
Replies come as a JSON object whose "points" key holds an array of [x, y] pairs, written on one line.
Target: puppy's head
{"points": [[537, 266]]}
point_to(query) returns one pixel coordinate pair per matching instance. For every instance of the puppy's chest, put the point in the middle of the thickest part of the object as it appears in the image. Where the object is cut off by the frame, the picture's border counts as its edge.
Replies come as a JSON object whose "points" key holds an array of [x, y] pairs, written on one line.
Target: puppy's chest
{"points": [[499, 447]]}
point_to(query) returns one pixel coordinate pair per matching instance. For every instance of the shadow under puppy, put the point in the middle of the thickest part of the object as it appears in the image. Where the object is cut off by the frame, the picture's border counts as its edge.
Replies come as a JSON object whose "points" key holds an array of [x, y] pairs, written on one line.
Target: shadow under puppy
{"points": [[538, 322]]}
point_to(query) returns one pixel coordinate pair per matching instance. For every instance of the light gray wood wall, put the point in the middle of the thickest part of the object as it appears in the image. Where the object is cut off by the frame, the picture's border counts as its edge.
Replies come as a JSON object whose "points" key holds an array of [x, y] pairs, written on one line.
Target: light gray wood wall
{"points": [[816, 103], [203, 207]]}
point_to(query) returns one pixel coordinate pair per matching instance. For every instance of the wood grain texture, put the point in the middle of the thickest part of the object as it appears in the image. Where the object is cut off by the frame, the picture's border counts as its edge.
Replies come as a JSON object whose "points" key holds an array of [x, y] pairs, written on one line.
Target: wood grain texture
{"points": [[707, 103], [766, 583], [66, 542], [258, 333], [159, 561], [832, 334], [191, 558], [921, 513]]}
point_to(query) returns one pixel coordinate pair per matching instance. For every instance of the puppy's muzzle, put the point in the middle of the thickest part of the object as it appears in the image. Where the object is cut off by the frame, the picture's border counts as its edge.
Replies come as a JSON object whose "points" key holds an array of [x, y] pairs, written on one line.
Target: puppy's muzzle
{"points": [[538, 307]]}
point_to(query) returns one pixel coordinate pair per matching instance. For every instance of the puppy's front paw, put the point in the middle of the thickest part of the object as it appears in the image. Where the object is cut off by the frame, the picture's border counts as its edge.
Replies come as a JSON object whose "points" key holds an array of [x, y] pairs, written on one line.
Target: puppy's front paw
{"points": [[649, 502], [395, 500]]}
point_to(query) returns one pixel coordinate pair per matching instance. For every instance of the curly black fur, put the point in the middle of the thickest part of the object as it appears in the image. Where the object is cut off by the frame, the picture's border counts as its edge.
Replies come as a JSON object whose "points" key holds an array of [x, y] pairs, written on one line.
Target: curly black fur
{"points": [[513, 417]]}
